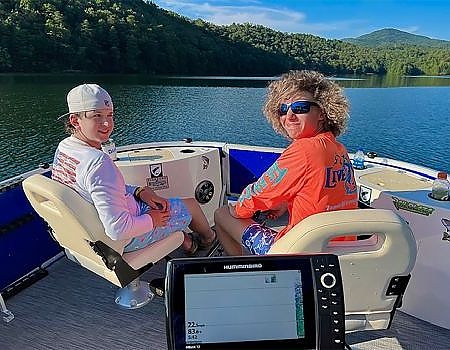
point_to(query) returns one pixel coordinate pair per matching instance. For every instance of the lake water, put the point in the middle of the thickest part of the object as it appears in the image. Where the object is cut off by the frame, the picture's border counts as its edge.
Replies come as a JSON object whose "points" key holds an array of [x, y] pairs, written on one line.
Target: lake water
{"points": [[397, 117]]}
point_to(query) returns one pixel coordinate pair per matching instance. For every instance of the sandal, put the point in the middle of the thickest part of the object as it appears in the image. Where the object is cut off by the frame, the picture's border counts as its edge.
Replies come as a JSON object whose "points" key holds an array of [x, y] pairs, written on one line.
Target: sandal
{"points": [[157, 286], [194, 245], [208, 245]]}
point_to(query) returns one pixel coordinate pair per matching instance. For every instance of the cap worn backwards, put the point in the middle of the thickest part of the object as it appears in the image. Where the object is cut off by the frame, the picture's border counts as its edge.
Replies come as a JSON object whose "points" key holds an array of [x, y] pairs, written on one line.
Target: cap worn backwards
{"points": [[87, 97]]}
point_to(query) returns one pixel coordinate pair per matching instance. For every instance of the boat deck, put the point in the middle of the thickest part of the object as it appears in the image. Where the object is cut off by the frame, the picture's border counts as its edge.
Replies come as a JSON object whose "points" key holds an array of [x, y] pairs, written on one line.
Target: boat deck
{"points": [[72, 308]]}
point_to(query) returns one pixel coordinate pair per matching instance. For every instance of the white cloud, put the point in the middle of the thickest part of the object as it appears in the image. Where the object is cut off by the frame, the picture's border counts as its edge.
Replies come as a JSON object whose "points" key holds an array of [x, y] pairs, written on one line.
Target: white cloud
{"points": [[281, 19], [412, 29], [306, 16]]}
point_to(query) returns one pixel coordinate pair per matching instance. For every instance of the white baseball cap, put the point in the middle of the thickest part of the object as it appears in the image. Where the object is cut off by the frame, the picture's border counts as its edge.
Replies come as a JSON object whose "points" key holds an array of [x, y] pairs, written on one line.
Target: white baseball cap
{"points": [[87, 97]]}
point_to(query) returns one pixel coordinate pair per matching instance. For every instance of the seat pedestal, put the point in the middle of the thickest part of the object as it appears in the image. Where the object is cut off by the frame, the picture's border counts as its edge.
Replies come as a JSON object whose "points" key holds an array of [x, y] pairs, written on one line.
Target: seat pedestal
{"points": [[6, 314], [135, 295]]}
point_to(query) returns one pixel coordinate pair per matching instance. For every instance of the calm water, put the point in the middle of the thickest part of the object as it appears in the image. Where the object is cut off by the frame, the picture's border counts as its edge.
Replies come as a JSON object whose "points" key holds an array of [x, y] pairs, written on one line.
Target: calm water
{"points": [[401, 118]]}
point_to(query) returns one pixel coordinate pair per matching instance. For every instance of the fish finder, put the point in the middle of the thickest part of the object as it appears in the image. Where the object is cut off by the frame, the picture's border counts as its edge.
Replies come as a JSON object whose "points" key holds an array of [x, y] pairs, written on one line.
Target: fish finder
{"points": [[255, 302]]}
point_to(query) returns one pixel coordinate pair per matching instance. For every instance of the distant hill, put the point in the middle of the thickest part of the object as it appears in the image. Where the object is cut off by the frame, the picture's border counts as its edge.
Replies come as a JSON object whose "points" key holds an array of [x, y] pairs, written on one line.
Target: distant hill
{"points": [[395, 37]]}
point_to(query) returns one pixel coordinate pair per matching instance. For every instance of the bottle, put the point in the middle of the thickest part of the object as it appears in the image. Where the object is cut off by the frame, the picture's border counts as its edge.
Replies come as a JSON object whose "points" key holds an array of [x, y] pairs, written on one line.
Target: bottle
{"points": [[109, 147], [440, 187], [358, 160]]}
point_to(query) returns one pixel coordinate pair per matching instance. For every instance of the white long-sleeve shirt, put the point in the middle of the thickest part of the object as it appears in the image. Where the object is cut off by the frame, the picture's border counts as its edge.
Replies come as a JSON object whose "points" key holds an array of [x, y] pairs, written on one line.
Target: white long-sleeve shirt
{"points": [[93, 174]]}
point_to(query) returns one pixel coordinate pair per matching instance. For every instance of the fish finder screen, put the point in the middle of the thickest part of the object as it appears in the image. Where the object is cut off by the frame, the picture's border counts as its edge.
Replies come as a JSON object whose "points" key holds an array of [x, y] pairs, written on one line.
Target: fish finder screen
{"points": [[243, 306]]}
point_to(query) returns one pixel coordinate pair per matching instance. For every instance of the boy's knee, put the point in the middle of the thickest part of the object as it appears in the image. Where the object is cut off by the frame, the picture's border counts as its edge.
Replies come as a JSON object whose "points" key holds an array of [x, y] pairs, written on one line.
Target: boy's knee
{"points": [[190, 204], [221, 215], [187, 201], [220, 212]]}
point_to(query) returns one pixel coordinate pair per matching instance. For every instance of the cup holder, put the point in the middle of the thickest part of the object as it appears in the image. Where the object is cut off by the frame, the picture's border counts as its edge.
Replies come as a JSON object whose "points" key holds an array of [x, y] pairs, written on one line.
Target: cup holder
{"points": [[188, 150], [437, 199]]}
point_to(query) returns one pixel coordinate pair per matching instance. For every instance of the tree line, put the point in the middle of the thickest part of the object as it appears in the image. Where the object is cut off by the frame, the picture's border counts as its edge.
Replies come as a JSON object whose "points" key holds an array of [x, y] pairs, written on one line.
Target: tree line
{"points": [[133, 36]]}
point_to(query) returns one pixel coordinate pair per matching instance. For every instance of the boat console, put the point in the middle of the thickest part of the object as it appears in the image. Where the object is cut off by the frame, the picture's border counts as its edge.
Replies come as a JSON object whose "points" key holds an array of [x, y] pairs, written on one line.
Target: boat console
{"points": [[176, 172], [265, 302]]}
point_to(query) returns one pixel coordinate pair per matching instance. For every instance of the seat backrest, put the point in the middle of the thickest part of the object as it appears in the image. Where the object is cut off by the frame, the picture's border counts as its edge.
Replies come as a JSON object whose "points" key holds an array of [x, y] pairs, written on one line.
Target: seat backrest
{"points": [[368, 266], [75, 222]]}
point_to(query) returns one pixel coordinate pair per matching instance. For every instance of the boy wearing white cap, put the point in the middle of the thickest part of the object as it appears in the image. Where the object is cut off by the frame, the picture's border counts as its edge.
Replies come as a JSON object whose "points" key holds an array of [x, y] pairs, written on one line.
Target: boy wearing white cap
{"points": [[132, 213]]}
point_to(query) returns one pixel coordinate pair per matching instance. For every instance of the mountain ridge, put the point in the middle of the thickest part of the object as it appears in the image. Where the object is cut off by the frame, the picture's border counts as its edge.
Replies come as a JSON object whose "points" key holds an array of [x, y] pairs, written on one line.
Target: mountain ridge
{"points": [[395, 37]]}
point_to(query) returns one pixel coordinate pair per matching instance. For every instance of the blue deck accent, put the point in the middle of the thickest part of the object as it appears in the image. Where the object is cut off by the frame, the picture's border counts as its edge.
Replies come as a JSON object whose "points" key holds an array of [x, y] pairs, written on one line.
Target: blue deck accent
{"points": [[24, 241], [246, 166]]}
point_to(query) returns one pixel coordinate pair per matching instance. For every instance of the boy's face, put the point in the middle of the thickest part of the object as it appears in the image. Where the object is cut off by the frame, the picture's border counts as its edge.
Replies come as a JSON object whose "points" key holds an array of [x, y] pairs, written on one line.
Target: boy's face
{"points": [[93, 127], [302, 125]]}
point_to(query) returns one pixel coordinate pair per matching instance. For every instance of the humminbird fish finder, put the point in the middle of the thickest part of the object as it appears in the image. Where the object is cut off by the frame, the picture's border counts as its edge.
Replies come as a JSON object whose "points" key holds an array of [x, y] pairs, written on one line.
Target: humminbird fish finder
{"points": [[255, 302]]}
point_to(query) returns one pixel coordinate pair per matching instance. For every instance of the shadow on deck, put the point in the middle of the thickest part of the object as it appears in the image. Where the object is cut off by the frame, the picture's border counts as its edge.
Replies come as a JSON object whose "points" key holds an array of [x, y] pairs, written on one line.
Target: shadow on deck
{"points": [[72, 308]]}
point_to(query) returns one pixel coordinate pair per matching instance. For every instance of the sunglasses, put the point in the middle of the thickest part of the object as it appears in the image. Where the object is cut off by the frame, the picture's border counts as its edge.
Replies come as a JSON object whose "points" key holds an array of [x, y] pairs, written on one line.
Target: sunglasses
{"points": [[297, 107]]}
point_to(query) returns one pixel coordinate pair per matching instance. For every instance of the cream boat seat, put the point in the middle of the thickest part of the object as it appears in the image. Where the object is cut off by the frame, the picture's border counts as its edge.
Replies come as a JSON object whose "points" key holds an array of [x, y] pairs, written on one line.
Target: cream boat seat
{"points": [[77, 228], [375, 271]]}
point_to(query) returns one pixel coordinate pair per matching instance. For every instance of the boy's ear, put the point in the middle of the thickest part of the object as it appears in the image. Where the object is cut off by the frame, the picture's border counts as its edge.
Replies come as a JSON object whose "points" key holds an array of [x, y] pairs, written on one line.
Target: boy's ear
{"points": [[73, 119]]}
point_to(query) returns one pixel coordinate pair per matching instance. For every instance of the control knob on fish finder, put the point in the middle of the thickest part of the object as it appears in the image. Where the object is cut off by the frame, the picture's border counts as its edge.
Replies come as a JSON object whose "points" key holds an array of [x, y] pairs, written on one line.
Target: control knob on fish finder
{"points": [[328, 280]]}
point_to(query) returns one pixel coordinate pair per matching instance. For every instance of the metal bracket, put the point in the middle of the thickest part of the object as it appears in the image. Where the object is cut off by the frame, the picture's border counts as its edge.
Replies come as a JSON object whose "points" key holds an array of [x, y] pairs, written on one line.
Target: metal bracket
{"points": [[114, 262], [8, 316], [397, 287]]}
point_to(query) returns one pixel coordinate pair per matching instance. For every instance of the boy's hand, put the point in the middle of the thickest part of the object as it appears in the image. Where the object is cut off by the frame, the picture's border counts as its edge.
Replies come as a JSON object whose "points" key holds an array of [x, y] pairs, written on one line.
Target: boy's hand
{"points": [[277, 211], [232, 209], [153, 200], [159, 217], [160, 203]]}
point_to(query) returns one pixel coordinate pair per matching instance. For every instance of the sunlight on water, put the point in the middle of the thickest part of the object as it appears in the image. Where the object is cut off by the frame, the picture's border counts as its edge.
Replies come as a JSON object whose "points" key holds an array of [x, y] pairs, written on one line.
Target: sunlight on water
{"points": [[406, 123]]}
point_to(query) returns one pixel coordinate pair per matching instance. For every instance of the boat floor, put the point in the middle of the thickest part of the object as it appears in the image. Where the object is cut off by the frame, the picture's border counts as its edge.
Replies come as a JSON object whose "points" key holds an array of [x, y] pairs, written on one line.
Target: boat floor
{"points": [[72, 308]]}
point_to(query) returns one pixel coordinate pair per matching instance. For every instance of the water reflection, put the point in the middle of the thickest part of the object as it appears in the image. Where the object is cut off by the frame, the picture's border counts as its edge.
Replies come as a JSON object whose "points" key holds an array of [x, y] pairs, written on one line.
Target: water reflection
{"points": [[352, 81], [404, 121]]}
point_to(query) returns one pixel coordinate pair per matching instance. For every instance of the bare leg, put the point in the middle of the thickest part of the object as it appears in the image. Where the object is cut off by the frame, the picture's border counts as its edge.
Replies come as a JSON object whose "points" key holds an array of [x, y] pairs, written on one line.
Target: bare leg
{"points": [[230, 246], [199, 222], [229, 230]]}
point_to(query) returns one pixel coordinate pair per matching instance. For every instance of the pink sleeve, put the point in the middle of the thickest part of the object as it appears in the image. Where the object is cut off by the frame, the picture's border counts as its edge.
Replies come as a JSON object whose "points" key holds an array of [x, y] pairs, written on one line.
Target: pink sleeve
{"points": [[114, 205]]}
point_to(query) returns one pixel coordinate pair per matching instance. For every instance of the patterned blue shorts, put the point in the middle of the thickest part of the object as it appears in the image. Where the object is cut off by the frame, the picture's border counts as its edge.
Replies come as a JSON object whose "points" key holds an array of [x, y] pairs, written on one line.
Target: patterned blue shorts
{"points": [[179, 220], [258, 239]]}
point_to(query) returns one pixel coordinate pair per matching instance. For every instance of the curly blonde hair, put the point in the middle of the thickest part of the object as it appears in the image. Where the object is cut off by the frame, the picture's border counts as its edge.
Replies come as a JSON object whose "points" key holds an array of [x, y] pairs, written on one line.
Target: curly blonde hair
{"points": [[328, 95]]}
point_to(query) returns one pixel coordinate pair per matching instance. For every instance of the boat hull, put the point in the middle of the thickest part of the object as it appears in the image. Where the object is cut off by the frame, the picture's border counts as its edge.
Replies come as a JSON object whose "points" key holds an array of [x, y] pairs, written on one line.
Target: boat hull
{"points": [[181, 169], [404, 188]]}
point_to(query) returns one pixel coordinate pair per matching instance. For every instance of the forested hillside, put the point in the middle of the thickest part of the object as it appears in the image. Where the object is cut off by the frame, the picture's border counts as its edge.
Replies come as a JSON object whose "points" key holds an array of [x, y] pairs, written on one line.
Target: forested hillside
{"points": [[133, 36], [127, 36], [335, 56]]}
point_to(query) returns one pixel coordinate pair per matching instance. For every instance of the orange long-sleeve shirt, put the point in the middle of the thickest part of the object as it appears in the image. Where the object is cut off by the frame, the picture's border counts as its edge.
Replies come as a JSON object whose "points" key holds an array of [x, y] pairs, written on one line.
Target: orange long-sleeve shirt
{"points": [[312, 175]]}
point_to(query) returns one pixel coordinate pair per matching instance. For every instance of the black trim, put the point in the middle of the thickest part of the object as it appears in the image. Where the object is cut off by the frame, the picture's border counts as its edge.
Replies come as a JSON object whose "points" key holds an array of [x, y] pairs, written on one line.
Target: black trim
{"points": [[114, 262], [362, 205], [16, 223], [397, 286], [23, 283]]}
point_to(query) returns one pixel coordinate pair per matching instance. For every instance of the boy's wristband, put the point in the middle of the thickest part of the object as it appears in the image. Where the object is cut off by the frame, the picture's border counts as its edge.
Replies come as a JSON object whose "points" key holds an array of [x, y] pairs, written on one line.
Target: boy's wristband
{"points": [[137, 192]]}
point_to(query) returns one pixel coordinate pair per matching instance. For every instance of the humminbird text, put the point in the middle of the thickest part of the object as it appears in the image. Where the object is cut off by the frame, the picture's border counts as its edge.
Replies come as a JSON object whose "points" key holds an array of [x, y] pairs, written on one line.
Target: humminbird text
{"points": [[244, 266]]}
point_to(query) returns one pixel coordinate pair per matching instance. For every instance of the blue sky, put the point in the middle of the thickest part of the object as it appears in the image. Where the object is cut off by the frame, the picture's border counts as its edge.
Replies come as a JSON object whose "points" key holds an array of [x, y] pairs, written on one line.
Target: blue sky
{"points": [[326, 18]]}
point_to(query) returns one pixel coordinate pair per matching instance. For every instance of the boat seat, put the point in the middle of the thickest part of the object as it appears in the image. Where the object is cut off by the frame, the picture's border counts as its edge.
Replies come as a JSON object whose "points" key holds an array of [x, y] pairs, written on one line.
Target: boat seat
{"points": [[375, 270], [77, 228]]}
